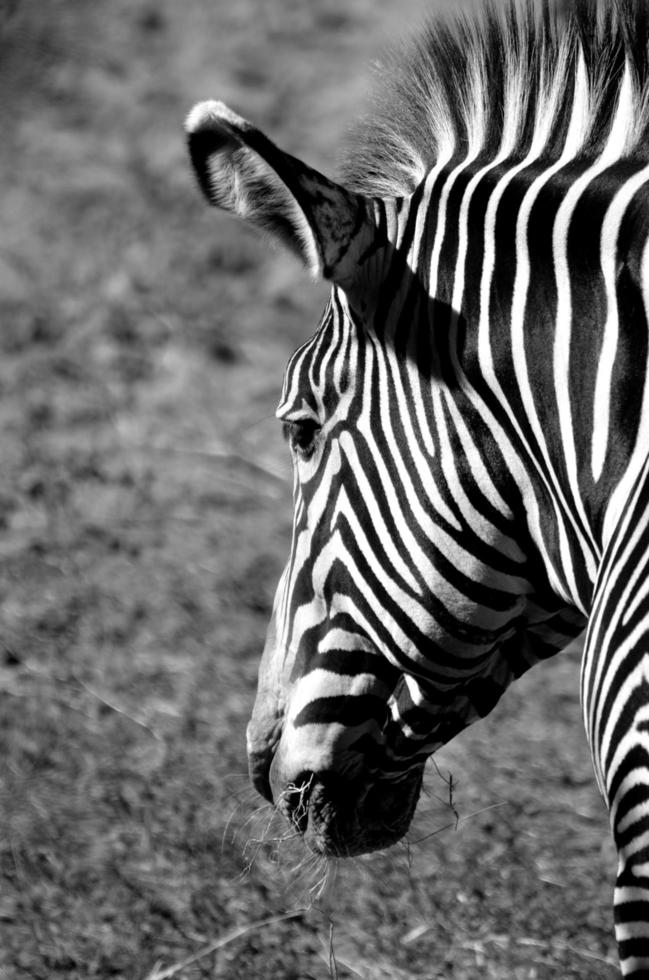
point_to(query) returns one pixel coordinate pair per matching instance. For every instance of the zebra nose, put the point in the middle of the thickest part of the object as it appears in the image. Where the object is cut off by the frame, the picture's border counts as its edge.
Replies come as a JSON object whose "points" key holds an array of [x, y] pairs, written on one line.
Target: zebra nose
{"points": [[259, 770], [262, 737]]}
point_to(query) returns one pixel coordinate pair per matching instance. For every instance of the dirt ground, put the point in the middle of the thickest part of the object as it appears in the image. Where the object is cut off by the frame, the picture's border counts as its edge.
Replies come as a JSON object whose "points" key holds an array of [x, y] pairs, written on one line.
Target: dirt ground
{"points": [[145, 517]]}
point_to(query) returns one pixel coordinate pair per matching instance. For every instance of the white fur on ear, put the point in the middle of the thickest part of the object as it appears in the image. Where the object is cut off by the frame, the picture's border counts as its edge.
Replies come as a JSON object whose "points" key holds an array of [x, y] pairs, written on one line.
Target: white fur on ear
{"points": [[241, 170], [212, 112]]}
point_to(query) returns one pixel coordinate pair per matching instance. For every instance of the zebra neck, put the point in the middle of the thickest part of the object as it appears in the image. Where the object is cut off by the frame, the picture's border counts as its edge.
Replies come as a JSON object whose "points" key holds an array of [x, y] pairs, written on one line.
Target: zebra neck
{"points": [[525, 293]]}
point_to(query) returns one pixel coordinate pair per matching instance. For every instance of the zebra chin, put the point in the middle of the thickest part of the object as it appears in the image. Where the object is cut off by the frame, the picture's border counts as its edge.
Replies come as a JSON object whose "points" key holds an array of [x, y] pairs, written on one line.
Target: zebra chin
{"points": [[342, 817]]}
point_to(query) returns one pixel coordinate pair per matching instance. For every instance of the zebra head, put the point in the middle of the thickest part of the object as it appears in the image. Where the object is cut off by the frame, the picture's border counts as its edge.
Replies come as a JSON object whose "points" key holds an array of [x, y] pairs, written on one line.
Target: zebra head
{"points": [[400, 615]]}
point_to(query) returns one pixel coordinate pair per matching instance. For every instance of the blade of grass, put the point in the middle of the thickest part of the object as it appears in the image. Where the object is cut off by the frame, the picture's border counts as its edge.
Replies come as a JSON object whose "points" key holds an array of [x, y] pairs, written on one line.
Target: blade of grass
{"points": [[224, 940]]}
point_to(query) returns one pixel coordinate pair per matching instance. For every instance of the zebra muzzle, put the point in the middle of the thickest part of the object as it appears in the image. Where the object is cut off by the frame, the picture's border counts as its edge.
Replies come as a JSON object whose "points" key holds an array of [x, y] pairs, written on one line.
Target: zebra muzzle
{"points": [[295, 801], [351, 809], [337, 818], [317, 807], [306, 801]]}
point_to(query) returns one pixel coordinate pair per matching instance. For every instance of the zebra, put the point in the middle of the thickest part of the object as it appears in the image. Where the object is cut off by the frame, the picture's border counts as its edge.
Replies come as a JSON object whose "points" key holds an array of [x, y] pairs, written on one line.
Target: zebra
{"points": [[469, 425]]}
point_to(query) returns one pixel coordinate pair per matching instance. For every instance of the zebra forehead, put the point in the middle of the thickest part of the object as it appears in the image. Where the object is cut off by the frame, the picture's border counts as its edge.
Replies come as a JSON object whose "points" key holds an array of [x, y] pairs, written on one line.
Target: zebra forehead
{"points": [[321, 367], [484, 76]]}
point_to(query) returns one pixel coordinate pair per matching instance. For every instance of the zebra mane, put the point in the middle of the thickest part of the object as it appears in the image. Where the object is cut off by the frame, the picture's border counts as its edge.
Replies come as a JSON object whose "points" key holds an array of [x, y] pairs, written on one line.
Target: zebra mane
{"points": [[498, 79]]}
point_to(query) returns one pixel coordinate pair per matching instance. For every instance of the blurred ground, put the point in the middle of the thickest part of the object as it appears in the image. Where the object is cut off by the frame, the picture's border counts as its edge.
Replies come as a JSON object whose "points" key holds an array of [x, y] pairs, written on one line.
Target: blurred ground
{"points": [[144, 519]]}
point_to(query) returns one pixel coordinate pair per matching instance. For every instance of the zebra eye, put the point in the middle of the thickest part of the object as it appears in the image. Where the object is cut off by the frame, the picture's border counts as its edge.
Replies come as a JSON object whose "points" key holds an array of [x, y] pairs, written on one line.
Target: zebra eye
{"points": [[301, 436]]}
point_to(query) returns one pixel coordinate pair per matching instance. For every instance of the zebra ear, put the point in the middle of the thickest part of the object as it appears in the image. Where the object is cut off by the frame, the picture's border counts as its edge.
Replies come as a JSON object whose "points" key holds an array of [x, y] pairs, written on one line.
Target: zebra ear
{"points": [[239, 169]]}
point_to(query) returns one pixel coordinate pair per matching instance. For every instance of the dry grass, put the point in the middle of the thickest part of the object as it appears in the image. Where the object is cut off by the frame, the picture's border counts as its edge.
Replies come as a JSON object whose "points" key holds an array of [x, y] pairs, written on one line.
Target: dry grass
{"points": [[144, 518]]}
